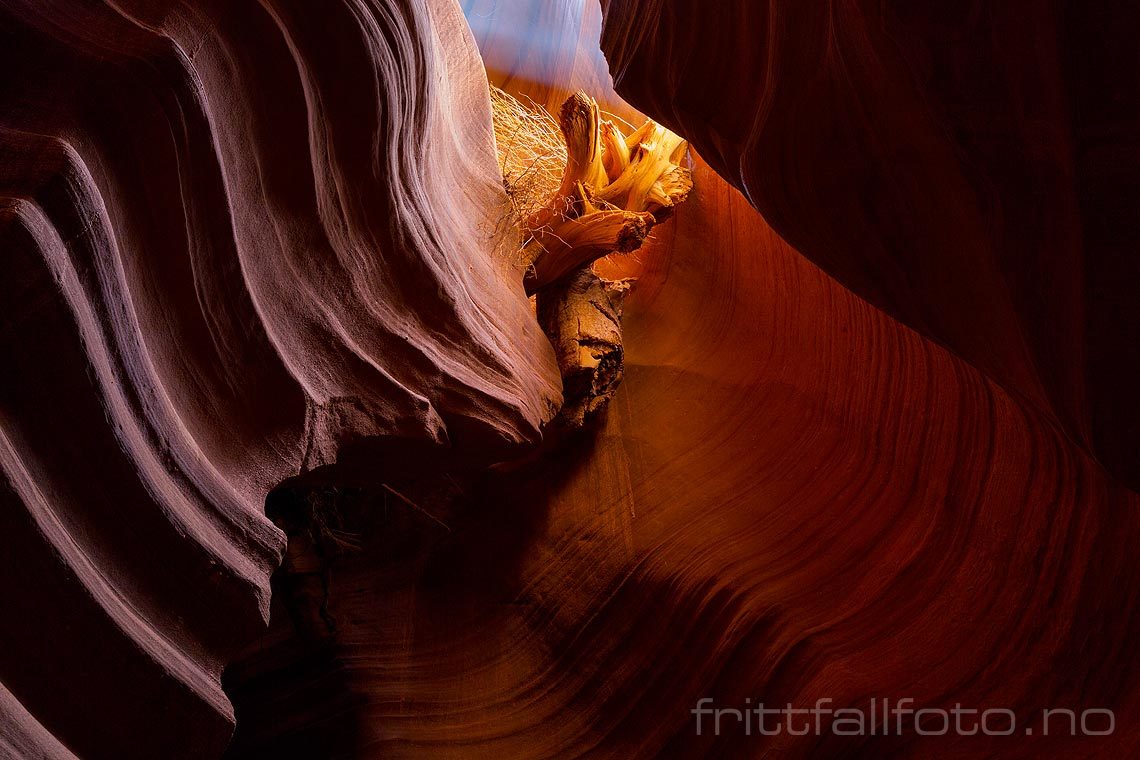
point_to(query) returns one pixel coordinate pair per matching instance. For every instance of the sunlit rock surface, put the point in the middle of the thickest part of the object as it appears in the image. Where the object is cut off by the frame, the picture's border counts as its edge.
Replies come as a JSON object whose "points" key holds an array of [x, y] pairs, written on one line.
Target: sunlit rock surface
{"points": [[794, 495], [236, 237]]}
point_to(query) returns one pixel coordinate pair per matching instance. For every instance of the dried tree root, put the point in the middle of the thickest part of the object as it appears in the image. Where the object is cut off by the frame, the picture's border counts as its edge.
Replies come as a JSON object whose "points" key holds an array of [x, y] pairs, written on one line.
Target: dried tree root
{"points": [[591, 236], [613, 190]]}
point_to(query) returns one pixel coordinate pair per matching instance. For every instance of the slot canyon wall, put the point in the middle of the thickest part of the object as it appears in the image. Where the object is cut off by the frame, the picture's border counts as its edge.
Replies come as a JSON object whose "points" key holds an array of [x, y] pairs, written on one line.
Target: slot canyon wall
{"points": [[236, 236], [878, 449], [977, 163]]}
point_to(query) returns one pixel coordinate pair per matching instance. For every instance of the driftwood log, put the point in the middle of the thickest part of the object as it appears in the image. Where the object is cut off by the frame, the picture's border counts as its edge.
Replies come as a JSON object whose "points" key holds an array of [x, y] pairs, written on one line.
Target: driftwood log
{"points": [[613, 190]]}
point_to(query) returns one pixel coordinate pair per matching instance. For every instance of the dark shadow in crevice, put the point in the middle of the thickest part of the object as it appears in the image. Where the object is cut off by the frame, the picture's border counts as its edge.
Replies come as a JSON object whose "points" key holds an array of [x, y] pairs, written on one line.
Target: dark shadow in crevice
{"points": [[390, 514]]}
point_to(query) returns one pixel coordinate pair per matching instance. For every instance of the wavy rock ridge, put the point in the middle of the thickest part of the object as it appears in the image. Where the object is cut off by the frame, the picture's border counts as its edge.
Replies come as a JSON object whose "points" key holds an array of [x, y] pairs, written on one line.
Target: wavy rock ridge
{"points": [[226, 258], [237, 236]]}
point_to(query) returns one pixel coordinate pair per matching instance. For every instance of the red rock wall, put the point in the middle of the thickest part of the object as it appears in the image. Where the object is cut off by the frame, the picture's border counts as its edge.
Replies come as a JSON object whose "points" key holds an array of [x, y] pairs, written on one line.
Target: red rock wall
{"points": [[795, 495], [970, 168]]}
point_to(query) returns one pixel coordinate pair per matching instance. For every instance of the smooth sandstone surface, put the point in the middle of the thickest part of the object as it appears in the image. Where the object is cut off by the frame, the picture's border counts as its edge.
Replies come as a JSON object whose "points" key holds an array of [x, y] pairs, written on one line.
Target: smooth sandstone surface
{"points": [[237, 236], [966, 167], [794, 497], [223, 220]]}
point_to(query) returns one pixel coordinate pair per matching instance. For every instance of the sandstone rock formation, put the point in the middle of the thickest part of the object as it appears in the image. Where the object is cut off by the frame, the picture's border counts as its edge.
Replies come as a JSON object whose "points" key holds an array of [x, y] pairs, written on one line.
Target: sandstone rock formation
{"points": [[793, 497], [968, 168], [237, 237], [245, 239]]}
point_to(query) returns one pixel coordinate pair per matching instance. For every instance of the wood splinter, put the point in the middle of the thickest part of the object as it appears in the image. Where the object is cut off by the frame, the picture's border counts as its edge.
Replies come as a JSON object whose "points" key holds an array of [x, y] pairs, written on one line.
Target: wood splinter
{"points": [[614, 189]]}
